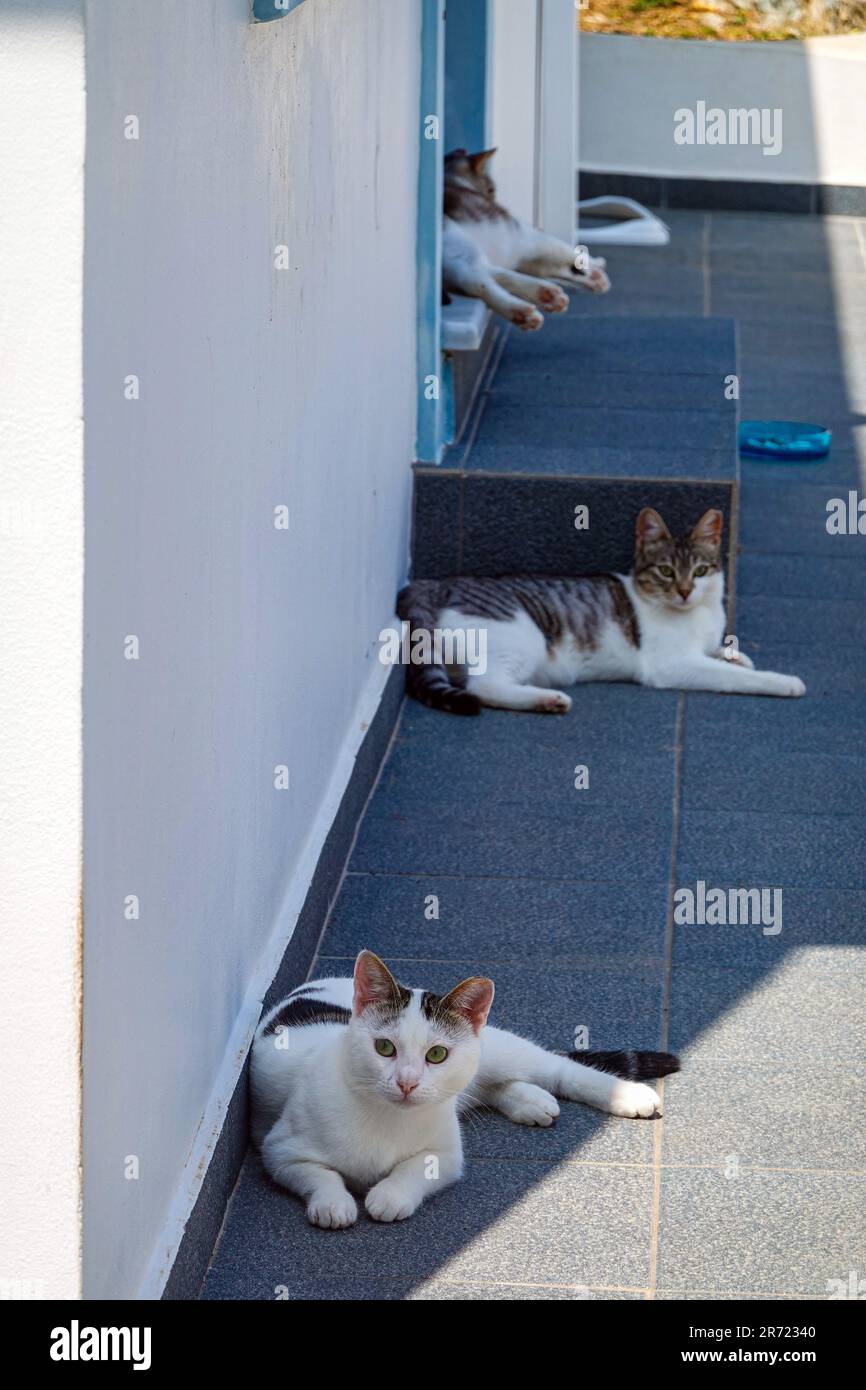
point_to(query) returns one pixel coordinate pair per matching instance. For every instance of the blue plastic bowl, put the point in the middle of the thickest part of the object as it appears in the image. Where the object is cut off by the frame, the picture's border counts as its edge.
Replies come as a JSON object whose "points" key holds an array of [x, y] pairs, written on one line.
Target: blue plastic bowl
{"points": [[785, 441]]}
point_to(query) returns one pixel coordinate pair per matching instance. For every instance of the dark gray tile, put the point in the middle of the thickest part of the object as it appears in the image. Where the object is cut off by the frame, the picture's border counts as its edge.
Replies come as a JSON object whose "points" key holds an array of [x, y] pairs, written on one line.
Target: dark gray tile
{"points": [[410, 784], [778, 516], [836, 474], [633, 295], [770, 1233], [848, 200], [801, 784], [656, 343], [750, 231], [582, 846], [514, 920], [570, 455], [518, 525], [436, 524], [784, 1116], [828, 919], [739, 195], [602, 716], [625, 429], [506, 1222], [769, 849], [824, 622], [770, 298], [809, 724], [822, 576], [536, 385]]}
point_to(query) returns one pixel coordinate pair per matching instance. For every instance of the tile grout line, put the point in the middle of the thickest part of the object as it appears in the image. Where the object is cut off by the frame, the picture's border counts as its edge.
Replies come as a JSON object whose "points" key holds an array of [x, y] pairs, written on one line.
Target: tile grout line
{"points": [[666, 995]]}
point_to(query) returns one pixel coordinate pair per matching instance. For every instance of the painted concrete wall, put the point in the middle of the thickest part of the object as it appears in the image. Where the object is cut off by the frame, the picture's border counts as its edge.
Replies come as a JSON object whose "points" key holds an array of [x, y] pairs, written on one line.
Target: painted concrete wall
{"points": [[258, 387], [41, 574], [631, 87], [511, 111]]}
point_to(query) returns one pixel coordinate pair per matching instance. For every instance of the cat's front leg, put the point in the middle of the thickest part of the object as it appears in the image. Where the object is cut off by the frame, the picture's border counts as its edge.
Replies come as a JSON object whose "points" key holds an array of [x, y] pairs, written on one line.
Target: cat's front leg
{"points": [[547, 256], [737, 657], [329, 1202], [413, 1179], [723, 677]]}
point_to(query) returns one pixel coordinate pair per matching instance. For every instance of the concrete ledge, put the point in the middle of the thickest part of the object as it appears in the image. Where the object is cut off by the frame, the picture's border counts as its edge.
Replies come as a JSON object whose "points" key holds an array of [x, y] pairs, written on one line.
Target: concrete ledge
{"points": [[463, 324], [810, 93], [726, 195]]}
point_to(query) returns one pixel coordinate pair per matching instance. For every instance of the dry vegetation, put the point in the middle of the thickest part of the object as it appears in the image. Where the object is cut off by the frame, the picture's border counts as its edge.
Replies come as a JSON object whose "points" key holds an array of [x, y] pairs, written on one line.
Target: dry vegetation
{"points": [[724, 19]]}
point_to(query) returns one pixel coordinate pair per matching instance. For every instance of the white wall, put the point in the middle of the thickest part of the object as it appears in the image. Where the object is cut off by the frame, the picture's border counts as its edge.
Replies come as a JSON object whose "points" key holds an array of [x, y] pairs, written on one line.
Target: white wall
{"points": [[258, 387], [512, 116], [631, 87], [41, 537]]}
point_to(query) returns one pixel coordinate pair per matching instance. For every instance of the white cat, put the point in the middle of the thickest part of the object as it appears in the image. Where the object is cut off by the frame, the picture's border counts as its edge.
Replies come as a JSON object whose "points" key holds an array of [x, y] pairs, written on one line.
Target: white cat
{"points": [[488, 254], [357, 1084], [661, 625]]}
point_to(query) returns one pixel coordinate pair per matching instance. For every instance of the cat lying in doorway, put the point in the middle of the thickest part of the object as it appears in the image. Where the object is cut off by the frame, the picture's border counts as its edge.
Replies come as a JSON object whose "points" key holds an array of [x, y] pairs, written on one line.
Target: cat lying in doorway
{"points": [[488, 254]]}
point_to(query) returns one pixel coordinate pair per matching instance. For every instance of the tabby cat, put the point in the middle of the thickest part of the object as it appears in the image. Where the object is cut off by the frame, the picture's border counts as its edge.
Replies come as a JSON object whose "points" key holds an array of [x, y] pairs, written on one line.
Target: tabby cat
{"points": [[661, 625], [357, 1084], [488, 254]]}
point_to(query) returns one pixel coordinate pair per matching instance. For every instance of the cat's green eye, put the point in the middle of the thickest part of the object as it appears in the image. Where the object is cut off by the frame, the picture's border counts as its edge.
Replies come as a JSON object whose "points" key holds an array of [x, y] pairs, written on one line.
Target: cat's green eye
{"points": [[700, 571], [437, 1054], [666, 571], [385, 1047]]}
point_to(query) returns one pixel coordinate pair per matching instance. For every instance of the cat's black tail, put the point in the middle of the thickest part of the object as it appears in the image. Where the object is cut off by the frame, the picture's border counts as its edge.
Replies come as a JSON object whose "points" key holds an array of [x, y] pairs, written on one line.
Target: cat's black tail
{"points": [[430, 683], [631, 1066]]}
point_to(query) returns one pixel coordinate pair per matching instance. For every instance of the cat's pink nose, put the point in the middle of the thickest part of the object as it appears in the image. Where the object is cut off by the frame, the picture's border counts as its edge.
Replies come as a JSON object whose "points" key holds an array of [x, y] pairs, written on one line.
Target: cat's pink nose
{"points": [[407, 1087], [685, 593]]}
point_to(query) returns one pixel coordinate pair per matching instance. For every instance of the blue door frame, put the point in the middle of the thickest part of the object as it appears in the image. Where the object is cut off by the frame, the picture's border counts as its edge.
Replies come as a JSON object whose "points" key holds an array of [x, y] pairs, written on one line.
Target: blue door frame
{"points": [[453, 113], [429, 430]]}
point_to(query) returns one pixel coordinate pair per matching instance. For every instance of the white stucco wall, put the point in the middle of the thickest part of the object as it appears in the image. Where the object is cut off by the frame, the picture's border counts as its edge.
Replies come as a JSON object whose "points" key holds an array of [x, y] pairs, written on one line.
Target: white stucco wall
{"points": [[41, 564], [258, 387], [511, 101], [631, 87]]}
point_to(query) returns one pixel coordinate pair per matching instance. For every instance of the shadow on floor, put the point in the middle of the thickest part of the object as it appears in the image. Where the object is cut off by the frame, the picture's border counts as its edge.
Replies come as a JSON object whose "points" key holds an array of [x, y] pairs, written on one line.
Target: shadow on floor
{"points": [[752, 1184]]}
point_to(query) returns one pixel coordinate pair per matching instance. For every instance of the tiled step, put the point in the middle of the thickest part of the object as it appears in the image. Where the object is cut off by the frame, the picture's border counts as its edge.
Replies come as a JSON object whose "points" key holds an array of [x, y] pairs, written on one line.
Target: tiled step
{"points": [[613, 414]]}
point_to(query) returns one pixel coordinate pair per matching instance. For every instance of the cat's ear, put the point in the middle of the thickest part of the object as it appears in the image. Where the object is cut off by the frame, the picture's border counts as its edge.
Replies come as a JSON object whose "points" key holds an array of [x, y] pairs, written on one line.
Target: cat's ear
{"points": [[709, 529], [471, 1000], [374, 983], [481, 160], [650, 527]]}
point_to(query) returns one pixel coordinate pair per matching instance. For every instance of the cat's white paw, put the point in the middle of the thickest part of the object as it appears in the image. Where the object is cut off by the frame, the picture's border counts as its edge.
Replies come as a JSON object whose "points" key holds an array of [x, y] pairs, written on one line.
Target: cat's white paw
{"points": [[528, 319], [388, 1201], [598, 281], [332, 1213], [633, 1100], [554, 703], [527, 1104], [553, 299], [794, 686], [593, 276]]}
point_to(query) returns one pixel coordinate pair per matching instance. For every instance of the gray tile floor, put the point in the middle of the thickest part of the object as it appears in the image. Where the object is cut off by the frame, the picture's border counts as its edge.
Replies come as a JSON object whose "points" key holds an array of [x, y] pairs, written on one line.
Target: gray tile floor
{"points": [[753, 1183]]}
